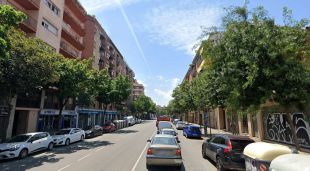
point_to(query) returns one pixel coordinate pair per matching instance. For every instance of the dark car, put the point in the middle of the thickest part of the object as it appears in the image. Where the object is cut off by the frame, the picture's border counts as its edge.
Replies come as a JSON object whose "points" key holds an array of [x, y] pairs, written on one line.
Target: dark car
{"points": [[192, 131], [226, 151], [93, 131], [109, 127]]}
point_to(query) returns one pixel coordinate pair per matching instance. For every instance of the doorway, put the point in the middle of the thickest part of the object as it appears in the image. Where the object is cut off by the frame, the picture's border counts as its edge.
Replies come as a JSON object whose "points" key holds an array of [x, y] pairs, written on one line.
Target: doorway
{"points": [[20, 122]]}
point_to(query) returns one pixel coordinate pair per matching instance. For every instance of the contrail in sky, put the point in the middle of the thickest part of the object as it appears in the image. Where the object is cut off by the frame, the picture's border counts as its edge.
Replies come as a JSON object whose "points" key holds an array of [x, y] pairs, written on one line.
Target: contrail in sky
{"points": [[133, 35]]}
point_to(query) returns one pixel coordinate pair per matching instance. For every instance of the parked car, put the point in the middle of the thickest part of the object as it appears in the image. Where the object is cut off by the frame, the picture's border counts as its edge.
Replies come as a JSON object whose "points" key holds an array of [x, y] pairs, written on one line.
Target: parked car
{"points": [[180, 125], [68, 135], [93, 131], [226, 151], [162, 118], [259, 155], [163, 150], [169, 131], [175, 121], [24, 144], [163, 124], [109, 127], [289, 162], [130, 120], [192, 131]]}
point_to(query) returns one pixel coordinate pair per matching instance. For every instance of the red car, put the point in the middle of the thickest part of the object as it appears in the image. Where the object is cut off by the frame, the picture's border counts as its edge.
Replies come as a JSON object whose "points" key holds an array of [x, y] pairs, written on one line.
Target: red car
{"points": [[109, 127]]}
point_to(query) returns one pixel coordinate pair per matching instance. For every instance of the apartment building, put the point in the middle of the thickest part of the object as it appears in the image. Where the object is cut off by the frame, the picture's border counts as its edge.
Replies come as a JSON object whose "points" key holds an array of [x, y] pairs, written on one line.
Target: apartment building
{"points": [[138, 90]]}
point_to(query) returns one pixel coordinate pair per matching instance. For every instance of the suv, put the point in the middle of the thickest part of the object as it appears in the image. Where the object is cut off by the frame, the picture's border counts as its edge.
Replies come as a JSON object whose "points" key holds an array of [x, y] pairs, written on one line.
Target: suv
{"points": [[226, 151]]}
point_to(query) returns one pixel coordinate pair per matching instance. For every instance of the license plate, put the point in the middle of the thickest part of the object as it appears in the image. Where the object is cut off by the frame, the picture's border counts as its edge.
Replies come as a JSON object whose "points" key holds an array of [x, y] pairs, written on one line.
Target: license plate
{"points": [[163, 152]]}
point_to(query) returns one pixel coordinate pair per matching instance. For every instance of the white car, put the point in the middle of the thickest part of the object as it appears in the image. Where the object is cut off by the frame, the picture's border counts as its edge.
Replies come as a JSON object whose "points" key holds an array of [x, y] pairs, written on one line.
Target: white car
{"points": [[24, 144], [162, 125], [68, 135]]}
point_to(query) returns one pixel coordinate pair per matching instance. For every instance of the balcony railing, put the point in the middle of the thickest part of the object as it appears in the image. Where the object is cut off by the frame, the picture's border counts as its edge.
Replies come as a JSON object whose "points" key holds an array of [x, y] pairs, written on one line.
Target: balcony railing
{"points": [[71, 51], [70, 31], [68, 11]]}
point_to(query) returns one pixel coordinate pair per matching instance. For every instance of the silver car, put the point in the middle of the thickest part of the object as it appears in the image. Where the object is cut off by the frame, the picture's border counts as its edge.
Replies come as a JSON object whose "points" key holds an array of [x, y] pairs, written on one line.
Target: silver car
{"points": [[163, 151]]}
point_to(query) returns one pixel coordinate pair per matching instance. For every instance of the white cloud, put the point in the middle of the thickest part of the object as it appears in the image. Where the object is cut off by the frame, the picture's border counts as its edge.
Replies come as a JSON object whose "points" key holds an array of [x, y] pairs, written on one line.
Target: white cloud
{"points": [[160, 77], [163, 96], [94, 6], [179, 24]]}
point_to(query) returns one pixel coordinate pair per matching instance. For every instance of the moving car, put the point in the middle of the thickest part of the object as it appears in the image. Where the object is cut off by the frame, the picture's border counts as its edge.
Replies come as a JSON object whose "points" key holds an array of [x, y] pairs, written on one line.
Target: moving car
{"points": [[192, 131], [24, 144], [93, 131], [289, 162], [68, 135], [162, 125], [180, 125], [109, 127], [163, 150], [170, 131], [226, 151]]}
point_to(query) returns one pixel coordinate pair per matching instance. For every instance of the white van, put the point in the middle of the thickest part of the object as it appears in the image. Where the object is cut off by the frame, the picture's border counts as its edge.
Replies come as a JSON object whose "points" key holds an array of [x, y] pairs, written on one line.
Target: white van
{"points": [[130, 120]]}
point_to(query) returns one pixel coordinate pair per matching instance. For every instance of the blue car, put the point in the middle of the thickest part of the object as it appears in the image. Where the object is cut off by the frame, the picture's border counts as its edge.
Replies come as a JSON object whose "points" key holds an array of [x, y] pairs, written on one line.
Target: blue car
{"points": [[192, 131]]}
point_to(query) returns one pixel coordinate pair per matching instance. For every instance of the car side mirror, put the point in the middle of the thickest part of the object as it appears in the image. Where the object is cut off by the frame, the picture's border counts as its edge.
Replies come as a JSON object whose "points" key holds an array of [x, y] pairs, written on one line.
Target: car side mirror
{"points": [[148, 140], [30, 141], [208, 140]]}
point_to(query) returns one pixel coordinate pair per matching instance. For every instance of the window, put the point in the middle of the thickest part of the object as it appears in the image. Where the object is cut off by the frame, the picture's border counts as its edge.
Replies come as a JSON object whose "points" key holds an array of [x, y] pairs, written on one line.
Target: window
{"points": [[52, 7], [219, 140], [49, 27]]}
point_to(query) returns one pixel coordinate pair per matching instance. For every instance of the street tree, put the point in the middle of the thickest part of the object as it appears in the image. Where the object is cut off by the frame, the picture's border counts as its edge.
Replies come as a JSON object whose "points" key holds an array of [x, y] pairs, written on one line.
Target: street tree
{"points": [[144, 105], [255, 61], [121, 90], [103, 84]]}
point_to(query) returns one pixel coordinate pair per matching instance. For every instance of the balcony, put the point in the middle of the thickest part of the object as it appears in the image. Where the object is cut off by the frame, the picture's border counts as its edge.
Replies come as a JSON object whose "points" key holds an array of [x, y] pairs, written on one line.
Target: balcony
{"points": [[68, 51], [74, 23], [29, 4], [71, 36]]}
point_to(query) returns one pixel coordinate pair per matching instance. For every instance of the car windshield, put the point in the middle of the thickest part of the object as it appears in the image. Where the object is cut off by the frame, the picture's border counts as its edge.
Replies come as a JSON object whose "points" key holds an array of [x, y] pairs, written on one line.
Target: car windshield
{"points": [[168, 132], [240, 144], [19, 138], [164, 141], [63, 132], [164, 124], [194, 129]]}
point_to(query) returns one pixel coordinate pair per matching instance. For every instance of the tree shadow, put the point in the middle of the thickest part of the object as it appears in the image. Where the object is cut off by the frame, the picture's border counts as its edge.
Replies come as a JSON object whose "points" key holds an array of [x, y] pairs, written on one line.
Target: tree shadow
{"points": [[122, 131], [85, 145], [31, 161]]}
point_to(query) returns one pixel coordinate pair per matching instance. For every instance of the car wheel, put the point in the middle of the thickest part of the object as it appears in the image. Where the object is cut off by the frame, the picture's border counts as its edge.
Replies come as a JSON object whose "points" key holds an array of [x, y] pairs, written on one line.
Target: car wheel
{"points": [[82, 137], [23, 154], [50, 146], [203, 152], [67, 142], [219, 165]]}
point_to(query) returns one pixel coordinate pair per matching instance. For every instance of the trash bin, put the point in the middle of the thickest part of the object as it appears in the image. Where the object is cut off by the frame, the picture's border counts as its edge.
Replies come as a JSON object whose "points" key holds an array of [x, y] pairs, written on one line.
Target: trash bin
{"points": [[258, 156], [289, 162]]}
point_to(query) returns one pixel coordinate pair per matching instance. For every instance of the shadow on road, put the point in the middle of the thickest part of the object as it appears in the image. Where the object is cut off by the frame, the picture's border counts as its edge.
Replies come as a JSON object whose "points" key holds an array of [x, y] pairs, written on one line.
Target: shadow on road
{"points": [[166, 168], [121, 131], [31, 161], [85, 145], [39, 159]]}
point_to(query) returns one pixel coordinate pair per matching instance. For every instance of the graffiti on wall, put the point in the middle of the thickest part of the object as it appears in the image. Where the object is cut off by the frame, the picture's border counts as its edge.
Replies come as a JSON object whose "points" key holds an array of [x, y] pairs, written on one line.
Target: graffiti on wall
{"points": [[278, 129]]}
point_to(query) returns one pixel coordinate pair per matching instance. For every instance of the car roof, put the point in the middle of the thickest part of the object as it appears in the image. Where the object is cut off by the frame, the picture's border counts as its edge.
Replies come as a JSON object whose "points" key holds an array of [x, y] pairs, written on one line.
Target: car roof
{"points": [[163, 136], [164, 121], [236, 137], [33, 133], [167, 129], [196, 126]]}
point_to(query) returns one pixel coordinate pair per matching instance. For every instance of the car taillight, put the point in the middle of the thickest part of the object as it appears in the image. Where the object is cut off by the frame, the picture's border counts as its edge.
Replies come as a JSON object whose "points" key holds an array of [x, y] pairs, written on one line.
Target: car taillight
{"points": [[149, 151], [178, 152], [228, 148]]}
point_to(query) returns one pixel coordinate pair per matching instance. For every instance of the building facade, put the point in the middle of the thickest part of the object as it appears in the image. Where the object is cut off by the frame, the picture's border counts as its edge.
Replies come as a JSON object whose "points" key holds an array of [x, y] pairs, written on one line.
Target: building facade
{"points": [[138, 90], [65, 26]]}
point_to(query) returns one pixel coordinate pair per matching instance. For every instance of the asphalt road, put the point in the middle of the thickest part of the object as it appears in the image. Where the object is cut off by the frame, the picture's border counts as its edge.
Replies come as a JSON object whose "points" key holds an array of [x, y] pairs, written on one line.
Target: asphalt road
{"points": [[124, 150]]}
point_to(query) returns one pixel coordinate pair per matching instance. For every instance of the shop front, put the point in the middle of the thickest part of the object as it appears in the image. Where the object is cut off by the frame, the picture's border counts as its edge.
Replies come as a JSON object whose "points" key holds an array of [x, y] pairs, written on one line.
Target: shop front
{"points": [[48, 120], [91, 117]]}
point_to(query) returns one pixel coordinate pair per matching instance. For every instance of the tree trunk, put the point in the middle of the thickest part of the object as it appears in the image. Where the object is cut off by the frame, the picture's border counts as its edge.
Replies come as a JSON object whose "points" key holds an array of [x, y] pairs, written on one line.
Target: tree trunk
{"points": [[293, 130], [60, 116]]}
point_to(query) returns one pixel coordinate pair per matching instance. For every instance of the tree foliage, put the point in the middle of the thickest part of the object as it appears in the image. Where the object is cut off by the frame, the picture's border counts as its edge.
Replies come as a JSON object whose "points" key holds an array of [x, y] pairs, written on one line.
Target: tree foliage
{"points": [[144, 104]]}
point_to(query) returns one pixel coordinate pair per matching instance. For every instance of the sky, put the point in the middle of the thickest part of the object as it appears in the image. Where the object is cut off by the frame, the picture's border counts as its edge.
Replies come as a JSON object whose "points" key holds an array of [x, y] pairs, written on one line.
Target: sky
{"points": [[157, 37]]}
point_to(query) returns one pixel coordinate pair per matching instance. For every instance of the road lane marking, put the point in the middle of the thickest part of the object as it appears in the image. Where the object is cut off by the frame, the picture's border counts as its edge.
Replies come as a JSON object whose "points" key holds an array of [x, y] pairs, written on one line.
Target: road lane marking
{"points": [[136, 164], [84, 157], [64, 167], [99, 149]]}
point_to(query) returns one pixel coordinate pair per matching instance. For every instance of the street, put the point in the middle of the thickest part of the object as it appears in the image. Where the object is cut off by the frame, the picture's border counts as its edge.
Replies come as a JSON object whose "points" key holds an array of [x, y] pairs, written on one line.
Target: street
{"points": [[124, 150]]}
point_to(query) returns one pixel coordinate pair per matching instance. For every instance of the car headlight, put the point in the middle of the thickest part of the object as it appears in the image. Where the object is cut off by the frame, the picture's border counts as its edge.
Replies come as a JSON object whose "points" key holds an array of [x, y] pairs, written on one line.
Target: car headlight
{"points": [[14, 148]]}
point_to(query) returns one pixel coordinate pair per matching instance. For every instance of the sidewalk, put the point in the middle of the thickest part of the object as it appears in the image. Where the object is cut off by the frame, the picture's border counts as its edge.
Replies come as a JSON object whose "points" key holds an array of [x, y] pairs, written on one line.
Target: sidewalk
{"points": [[218, 131]]}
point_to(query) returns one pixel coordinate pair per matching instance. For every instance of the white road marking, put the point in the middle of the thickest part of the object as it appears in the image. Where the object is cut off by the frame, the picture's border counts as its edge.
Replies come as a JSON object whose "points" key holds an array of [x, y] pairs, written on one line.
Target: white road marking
{"points": [[84, 157], [64, 167], [136, 164], [99, 149]]}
